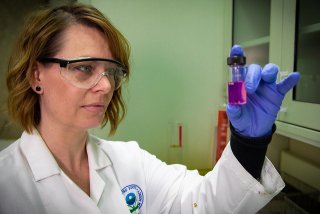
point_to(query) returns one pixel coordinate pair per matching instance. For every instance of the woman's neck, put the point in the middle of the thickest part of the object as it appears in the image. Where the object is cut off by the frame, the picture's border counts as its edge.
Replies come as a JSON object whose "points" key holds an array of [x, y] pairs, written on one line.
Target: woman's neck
{"points": [[68, 146]]}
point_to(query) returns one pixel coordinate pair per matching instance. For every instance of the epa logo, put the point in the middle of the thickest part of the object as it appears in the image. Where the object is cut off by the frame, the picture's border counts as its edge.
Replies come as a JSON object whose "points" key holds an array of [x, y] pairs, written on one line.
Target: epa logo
{"points": [[133, 196]]}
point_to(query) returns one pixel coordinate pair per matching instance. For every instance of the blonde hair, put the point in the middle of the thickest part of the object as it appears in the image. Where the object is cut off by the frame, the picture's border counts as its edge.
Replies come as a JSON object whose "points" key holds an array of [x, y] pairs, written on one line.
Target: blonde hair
{"points": [[41, 37]]}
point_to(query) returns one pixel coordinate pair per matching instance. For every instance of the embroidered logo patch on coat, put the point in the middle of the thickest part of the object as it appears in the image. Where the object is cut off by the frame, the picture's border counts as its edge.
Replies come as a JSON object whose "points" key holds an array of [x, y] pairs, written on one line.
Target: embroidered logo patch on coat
{"points": [[133, 196]]}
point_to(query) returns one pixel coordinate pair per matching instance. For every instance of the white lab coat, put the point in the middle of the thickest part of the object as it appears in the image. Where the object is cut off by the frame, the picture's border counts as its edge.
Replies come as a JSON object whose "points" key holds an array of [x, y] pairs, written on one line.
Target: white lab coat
{"points": [[31, 182]]}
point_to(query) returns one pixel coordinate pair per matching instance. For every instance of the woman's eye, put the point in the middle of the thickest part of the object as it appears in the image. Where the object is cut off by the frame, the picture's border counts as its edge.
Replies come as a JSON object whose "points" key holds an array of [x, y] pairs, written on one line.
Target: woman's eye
{"points": [[111, 71], [84, 68]]}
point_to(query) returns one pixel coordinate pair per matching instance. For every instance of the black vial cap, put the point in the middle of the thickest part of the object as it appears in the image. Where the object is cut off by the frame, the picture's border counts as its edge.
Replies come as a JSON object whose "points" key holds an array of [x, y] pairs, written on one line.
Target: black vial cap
{"points": [[238, 60]]}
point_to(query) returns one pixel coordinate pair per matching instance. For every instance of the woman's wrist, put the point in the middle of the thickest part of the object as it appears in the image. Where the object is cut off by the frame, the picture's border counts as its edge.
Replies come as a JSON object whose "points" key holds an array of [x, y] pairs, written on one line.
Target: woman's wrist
{"points": [[250, 151]]}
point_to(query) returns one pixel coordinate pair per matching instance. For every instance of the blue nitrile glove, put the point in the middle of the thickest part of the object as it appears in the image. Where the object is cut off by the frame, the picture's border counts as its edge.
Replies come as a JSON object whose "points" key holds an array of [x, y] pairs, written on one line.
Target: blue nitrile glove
{"points": [[264, 98]]}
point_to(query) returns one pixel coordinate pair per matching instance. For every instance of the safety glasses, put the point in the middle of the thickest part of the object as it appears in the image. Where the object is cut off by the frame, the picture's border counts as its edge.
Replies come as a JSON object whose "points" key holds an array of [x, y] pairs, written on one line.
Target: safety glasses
{"points": [[86, 72]]}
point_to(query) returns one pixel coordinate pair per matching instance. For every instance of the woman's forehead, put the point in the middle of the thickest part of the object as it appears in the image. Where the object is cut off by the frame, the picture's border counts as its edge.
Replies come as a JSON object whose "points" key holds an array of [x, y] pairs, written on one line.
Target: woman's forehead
{"points": [[83, 41]]}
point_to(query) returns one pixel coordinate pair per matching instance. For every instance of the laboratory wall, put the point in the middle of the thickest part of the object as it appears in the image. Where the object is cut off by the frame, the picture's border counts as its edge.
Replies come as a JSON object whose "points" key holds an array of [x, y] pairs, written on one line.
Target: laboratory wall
{"points": [[178, 55]]}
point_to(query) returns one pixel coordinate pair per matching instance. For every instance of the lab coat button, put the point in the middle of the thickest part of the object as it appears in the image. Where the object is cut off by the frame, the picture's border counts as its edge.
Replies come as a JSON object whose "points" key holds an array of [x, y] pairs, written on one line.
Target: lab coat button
{"points": [[195, 205]]}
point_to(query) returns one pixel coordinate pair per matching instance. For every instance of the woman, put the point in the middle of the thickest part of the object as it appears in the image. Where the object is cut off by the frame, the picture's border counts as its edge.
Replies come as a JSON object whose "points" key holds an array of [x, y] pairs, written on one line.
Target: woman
{"points": [[65, 77]]}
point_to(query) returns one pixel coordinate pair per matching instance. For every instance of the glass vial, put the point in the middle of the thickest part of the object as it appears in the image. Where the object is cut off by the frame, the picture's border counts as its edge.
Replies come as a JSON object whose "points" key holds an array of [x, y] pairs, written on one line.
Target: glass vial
{"points": [[236, 85]]}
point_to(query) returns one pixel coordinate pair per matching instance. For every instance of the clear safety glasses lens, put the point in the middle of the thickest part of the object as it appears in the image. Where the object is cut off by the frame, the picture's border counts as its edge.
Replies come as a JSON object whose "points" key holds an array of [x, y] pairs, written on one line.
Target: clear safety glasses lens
{"points": [[87, 74]]}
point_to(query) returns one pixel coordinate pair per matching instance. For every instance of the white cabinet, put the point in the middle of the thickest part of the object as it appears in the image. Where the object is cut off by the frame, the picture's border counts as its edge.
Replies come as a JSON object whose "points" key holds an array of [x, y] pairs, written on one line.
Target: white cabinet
{"points": [[251, 21], [287, 33], [295, 36]]}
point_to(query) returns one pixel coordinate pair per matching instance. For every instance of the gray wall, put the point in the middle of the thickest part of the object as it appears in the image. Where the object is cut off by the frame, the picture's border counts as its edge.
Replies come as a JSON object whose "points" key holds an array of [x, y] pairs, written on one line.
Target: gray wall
{"points": [[12, 15]]}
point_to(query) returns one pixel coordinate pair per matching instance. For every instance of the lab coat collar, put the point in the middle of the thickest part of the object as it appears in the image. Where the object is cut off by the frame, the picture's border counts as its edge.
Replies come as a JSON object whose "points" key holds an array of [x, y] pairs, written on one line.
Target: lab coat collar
{"points": [[106, 193], [97, 161], [96, 157], [42, 162], [40, 159], [43, 165]]}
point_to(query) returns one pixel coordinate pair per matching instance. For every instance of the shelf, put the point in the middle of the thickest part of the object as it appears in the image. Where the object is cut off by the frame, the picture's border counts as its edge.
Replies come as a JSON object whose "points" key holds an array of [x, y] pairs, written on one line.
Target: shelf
{"points": [[311, 29], [255, 42], [302, 134]]}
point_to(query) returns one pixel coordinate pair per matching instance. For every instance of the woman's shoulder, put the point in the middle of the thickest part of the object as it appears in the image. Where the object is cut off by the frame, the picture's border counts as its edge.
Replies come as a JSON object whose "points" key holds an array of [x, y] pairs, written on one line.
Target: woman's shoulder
{"points": [[11, 162], [116, 145], [118, 149], [9, 153]]}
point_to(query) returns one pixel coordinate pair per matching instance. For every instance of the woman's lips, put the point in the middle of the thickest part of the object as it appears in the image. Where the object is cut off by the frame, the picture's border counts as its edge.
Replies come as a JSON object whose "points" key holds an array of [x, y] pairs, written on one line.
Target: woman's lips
{"points": [[95, 107]]}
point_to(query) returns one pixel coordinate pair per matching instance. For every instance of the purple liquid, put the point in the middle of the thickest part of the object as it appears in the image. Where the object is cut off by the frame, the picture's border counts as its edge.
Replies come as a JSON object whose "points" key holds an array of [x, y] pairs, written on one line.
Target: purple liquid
{"points": [[237, 93]]}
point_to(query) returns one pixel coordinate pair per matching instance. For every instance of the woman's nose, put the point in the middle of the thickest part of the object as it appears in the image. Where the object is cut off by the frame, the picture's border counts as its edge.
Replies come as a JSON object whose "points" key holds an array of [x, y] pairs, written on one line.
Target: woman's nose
{"points": [[104, 84]]}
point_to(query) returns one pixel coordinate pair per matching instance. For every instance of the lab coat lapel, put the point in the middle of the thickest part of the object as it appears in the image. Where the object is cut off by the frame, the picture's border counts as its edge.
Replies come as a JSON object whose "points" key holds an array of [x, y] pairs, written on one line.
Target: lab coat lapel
{"points": [[112, 199], [56, 198], [38, 156], [105, 188], [48, 180]]}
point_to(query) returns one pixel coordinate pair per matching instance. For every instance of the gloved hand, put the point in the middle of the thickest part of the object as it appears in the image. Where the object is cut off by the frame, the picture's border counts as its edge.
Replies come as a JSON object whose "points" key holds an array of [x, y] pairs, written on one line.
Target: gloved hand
{"points": [[264, 98]]}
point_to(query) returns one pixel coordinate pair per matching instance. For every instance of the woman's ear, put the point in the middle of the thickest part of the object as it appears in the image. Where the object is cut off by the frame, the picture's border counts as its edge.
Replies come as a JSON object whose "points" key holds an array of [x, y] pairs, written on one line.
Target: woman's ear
{"points": [[35, 81]]}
